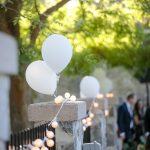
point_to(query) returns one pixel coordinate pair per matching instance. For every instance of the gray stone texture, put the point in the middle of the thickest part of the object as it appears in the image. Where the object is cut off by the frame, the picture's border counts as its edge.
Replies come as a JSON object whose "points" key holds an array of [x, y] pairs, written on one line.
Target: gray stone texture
{"points": [[46, 111]]}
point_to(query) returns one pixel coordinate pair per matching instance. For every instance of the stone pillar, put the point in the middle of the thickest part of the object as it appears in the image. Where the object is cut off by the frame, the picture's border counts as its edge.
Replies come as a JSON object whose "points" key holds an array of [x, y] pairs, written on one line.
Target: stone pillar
{"points": [[8, 66], [70, 135], [98, 128], [4, 107]]}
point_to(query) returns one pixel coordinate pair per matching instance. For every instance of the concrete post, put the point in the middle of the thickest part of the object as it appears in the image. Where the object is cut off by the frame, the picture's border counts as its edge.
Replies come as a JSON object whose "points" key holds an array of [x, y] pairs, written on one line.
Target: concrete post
{"points": [[70, 135], [98, 128], [8, 66]]}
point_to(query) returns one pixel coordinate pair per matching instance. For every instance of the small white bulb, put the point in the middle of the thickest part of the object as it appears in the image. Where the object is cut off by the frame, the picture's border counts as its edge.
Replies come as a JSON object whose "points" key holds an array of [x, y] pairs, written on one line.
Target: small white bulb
{"points": [[96, 104], [38, 143], [35, 148], [100, 96], [108, 95], [91, 115], [50, 134], [73, 98], [58, 99], [84, 121], [89, 123], [50, 143], [88, 119], [111, 95], [55, 124], [84, 128], [44, 148], [106, 112], [67, 95]]}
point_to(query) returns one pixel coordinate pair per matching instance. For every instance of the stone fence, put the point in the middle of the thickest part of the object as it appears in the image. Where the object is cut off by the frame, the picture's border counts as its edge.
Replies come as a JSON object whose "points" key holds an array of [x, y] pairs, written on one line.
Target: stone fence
{"points": [[8, 67], [69, 136]]}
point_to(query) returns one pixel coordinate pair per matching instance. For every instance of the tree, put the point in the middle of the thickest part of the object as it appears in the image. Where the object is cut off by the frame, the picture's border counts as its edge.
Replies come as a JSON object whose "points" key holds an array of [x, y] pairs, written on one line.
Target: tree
{"points": [[109, 30], [11, 13]]}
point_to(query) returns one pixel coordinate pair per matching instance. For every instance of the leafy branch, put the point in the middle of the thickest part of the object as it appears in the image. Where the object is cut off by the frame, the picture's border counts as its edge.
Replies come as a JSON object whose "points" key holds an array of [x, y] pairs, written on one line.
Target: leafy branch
{"points": [[35, 31]]}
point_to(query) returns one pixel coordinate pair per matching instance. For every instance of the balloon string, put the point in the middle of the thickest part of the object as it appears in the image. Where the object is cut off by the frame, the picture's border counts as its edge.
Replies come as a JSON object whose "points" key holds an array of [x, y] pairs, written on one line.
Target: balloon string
{"points": [[58, 77], [55, 118], [92, 104]]}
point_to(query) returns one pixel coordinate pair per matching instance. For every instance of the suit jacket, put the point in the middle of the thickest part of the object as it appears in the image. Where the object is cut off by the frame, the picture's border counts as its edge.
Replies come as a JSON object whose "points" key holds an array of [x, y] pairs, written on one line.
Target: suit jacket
{"points": [[147, 120], [124, 119]]}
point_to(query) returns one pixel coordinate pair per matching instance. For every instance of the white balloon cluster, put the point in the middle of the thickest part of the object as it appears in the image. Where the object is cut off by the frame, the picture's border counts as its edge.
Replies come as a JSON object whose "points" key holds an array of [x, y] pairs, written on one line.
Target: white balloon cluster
{"points": [[57, 52], [89, 87], [42, 75]]}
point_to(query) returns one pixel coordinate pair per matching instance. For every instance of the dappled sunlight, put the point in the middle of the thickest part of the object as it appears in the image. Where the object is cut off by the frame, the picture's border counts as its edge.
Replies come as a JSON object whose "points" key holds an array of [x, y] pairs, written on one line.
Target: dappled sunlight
{"points": [[96, 52]]}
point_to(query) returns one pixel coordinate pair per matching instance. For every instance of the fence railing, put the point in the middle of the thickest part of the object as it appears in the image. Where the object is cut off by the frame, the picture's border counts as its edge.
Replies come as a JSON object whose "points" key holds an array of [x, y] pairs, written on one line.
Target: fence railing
{"points": [[19, 141]]}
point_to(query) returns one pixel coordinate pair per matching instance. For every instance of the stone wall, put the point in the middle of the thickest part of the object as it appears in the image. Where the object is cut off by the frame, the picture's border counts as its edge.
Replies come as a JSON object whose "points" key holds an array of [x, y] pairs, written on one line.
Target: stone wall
{"points": [[8, 66]]}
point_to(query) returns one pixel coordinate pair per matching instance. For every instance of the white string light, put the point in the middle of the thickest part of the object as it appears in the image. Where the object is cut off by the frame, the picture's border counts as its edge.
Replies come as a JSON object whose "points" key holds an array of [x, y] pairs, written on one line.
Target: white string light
{"points": [[54, 124], [84, 128], [91, 115], [73, 98], [106, 112], [100, 96], [59, 99], [88, 121], [95, 104], [109, 95], [44, 148], [84, 121], [38, 144], [35, 148], [50, 143], [50, 134], [67, 95]]}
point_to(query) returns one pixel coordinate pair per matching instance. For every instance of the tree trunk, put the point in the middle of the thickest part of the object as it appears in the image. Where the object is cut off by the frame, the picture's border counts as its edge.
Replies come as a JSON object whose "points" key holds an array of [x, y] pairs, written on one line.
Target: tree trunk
{"points": [[20, 94], [20, 98]]}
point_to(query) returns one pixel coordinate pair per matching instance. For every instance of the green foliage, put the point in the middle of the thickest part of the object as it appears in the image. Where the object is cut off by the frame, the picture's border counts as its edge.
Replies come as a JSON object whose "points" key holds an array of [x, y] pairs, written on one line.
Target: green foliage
{"points": [[98, 30], [83, 63], [144, 5]]}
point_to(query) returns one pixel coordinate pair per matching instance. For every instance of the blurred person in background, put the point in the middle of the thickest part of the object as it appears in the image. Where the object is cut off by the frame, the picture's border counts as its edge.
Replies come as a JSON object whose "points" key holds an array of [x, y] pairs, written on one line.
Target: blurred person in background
{"points": [[139, 121], [147, 127], [125, 119], [147, 120]]}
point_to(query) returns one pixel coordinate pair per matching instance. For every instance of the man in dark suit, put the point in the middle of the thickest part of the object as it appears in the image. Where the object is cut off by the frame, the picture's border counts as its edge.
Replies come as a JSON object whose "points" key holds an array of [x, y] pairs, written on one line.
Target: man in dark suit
{"points": [[125, 118], [147, 127], [147, 120]]}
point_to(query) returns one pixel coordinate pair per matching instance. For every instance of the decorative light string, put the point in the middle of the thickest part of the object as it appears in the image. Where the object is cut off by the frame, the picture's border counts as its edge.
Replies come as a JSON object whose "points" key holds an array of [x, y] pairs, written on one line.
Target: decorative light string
{"points": [[88, 120], [39, 144]]}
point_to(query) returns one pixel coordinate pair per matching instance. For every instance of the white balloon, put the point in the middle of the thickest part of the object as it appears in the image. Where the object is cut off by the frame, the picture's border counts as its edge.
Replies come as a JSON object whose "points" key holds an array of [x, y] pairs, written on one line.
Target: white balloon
{"points": [[82, 95], [89, 86], [41, 78], [57, 52]]}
